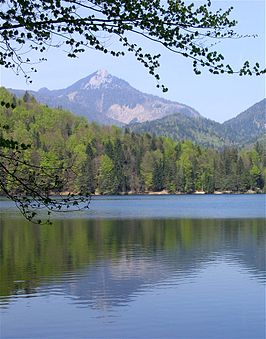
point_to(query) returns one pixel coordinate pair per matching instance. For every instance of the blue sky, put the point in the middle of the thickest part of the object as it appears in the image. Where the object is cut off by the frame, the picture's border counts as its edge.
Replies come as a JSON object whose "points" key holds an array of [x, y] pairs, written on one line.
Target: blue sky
{"points": [[215, 97]]}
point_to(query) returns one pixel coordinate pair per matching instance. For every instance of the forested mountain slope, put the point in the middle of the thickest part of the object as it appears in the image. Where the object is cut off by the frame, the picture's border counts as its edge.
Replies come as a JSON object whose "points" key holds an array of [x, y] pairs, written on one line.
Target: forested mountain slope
{"points": [[244, 129], [248, 126], [108, 160], [200, 130]]}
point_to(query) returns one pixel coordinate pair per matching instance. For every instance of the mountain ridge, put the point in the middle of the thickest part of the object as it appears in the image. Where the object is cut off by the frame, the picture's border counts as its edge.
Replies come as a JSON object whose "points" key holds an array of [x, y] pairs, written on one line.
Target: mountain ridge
{"points": [[107, 99], [246, 128]]}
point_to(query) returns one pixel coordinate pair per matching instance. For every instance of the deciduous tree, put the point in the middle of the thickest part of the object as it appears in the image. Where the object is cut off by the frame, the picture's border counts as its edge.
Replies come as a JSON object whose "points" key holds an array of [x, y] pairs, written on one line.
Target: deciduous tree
{"points": [[183, 29]]}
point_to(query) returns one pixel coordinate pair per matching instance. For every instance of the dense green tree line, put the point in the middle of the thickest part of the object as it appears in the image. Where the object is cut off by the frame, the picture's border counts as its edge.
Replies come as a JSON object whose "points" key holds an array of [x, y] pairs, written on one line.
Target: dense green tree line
{"points": [[107, 160]]}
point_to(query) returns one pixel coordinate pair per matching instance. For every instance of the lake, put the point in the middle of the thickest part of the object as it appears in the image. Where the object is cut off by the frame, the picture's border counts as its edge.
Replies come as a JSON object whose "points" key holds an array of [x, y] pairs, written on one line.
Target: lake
{"points": [[137, 267]]}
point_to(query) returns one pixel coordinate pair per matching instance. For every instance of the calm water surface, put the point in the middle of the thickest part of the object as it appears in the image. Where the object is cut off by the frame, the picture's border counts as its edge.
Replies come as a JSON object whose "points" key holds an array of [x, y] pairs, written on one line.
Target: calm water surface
{"points": [[137, 267]]}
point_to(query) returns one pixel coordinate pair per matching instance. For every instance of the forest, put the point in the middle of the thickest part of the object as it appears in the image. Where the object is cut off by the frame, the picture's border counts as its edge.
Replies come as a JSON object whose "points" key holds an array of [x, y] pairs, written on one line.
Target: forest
{"points": [[109, 160]]}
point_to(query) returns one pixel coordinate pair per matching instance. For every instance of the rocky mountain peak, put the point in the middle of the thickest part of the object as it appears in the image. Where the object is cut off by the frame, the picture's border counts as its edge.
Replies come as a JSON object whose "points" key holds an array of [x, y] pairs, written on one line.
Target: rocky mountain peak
{"points": [[106, 99], [98, 79]]}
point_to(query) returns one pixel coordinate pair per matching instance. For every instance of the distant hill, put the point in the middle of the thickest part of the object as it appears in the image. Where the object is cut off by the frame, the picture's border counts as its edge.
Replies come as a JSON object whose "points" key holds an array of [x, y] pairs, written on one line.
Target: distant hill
{"points": [[200, 130], [107, 99], [246, 128]]}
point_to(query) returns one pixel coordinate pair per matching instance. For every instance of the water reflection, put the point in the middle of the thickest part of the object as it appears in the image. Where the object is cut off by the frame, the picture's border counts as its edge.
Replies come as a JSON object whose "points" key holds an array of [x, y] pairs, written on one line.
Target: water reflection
{"points": [[111, 260], [133, 278]]}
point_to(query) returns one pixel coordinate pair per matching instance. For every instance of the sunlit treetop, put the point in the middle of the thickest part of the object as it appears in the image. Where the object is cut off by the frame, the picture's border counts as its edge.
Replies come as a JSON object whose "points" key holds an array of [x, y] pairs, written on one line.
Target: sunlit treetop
{"points": [[191, 31]]}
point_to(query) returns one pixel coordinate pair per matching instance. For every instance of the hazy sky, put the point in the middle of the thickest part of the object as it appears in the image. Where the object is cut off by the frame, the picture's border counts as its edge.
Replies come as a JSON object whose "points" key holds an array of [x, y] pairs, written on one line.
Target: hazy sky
{"points": [[218, 97]]}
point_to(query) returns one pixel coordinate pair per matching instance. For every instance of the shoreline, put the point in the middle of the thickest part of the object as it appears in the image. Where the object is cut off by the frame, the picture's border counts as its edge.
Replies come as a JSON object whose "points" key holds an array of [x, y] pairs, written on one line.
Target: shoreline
{"points": [[150, 193], [165, 192]]}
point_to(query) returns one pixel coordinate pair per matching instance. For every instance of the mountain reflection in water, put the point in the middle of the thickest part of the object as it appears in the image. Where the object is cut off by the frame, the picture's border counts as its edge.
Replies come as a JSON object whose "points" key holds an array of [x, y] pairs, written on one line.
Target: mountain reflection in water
{"points": [[143, 278], [107, 262]]}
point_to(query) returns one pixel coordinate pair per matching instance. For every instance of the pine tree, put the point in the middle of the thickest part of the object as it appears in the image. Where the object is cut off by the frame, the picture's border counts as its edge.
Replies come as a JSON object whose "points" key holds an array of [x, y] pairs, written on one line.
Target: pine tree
{"points": [[158, 176]]}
